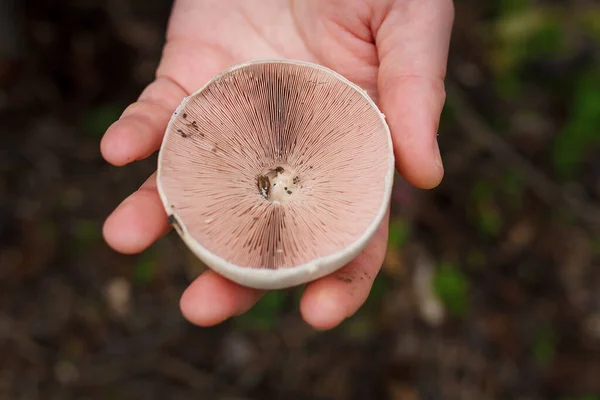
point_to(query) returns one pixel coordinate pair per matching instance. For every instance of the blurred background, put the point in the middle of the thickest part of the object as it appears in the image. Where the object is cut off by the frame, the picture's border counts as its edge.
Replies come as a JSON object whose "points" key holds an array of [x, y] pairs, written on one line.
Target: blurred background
{"points": [[489, 289]]}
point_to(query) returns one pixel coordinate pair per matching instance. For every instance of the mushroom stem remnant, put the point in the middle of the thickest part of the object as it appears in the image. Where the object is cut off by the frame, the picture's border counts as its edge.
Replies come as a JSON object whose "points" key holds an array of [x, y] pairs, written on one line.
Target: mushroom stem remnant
{"points": [[278, 184], [308, 169]]}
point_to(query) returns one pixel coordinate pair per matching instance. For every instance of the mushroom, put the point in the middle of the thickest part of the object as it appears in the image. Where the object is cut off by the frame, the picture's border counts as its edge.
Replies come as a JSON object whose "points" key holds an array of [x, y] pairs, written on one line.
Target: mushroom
{"points": [[276, 172]]}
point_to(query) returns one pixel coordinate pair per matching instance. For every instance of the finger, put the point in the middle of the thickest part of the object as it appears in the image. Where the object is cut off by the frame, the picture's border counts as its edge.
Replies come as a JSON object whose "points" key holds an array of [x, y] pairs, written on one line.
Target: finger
{"points": [[413, 42], [139, 131], [211, 299], [138, 221], [193, 62], [328, 301]]}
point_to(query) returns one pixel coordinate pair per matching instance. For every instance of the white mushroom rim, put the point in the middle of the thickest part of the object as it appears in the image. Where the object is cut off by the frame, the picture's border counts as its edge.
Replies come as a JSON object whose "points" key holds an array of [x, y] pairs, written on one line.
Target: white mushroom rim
{"points": [[264, 278]]}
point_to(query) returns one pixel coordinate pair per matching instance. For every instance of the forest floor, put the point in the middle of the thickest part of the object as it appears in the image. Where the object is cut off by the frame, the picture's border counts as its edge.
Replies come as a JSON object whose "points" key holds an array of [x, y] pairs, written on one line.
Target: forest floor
{"points": [[489, 289]]}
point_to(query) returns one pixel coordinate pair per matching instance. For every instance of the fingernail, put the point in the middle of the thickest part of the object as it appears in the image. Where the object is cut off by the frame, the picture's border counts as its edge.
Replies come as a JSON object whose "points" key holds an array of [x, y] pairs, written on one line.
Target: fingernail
{"points": [[438, 155]]}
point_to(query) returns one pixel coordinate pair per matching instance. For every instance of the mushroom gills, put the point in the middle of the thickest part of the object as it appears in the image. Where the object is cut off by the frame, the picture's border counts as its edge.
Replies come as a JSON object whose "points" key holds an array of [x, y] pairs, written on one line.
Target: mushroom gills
{"points": [[312, 164]]}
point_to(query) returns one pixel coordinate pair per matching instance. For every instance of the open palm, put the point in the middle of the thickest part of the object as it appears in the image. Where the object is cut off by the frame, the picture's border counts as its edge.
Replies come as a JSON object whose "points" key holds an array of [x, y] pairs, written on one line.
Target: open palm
{"points": [[396, 50]]}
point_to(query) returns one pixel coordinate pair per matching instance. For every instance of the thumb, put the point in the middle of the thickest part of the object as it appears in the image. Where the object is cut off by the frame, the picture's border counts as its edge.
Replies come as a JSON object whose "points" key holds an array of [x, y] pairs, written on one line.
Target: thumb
{"points": [[412, 43]]}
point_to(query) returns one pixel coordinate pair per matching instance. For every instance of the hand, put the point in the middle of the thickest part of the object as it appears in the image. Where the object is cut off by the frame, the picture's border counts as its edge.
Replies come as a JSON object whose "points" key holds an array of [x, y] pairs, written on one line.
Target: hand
{"points": [[396, 50]]}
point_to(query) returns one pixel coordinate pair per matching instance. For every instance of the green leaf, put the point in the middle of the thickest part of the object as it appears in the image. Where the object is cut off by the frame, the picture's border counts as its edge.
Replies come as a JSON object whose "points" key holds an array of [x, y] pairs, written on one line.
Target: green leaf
{"points": [[145, 268], [265, 312], [508, 86], [398, 233], [87, 232], [450, 285], [596, 246], [512, 186], [519, 35], [359, 327], [476, 259], [97, 120], [544, 347], [548, 40], [490, 219], [511, 6], [589, 20], [582, 129], [379, 289], [488, 215]]}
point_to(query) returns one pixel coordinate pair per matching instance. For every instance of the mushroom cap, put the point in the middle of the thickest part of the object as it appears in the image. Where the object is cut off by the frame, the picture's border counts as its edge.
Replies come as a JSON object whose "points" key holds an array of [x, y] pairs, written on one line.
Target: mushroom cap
{"points": [[276, 172]]}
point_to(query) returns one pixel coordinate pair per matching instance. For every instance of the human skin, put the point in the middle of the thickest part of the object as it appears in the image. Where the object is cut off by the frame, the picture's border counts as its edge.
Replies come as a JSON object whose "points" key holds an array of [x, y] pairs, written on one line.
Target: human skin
{"points": [[395, 50]]}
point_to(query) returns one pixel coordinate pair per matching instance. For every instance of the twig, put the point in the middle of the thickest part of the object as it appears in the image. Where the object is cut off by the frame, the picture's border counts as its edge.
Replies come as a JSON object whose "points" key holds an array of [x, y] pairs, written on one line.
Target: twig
{"points": [[116, 370], [474, 126], [185, 373]]}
